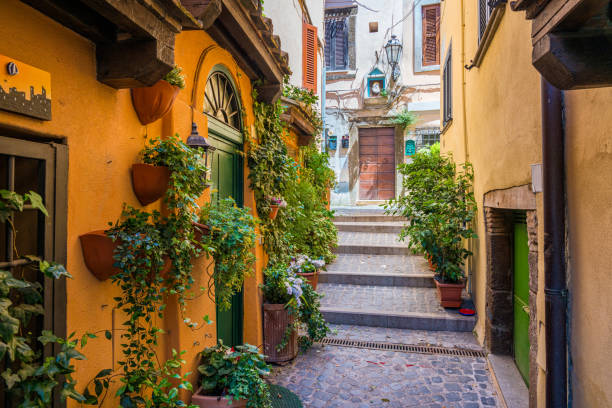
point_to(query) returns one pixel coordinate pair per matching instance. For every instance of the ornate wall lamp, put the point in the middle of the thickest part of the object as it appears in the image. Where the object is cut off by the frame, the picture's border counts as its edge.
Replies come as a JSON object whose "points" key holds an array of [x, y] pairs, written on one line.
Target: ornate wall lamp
{"points": [[393, 49], [197, 141]]}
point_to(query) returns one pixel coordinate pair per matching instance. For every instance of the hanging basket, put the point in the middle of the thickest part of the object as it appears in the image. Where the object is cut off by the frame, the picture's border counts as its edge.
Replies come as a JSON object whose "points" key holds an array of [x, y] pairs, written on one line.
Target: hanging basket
{"points": [[276, 321], [153, 102], [98, 251], [273, 211], [149, 182]]}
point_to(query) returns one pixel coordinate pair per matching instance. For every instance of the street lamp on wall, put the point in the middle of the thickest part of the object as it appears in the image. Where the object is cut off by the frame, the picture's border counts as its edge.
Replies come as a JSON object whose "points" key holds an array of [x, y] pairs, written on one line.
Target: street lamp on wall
{"points": [[393, 49], [196, 141]]}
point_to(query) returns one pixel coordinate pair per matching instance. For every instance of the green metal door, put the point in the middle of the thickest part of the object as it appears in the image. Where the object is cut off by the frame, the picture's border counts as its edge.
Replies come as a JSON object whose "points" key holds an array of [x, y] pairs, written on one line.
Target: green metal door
{"points": [[521, 298], [227, 182]]}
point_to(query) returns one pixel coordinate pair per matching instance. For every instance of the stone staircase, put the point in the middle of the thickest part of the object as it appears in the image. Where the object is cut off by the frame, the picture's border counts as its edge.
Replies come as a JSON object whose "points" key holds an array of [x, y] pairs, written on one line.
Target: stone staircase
{"points": [[376, 281]]}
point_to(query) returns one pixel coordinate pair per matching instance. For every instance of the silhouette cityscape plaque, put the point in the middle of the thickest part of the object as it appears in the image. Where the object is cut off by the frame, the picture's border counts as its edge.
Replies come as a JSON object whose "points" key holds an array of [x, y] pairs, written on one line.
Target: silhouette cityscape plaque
{"points": [[24, 89]]}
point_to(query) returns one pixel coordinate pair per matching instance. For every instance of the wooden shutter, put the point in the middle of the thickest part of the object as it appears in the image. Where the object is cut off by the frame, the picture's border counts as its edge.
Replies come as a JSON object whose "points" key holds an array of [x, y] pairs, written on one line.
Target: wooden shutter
{"points": [[431, 34], [309, 57], [328, 31], [340, 43]]}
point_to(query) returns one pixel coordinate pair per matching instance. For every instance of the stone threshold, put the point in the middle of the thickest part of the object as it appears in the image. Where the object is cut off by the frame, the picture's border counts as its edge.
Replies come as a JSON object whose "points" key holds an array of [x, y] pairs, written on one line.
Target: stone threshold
{"points": [[377, 279]]}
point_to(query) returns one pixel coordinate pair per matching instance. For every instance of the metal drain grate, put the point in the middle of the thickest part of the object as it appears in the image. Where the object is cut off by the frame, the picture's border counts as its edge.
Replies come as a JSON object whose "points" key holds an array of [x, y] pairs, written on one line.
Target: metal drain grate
{"points": [[406, 348]]}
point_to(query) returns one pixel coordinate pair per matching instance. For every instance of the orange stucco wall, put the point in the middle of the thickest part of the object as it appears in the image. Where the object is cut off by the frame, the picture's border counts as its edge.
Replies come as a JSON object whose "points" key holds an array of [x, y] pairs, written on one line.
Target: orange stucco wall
{"points": [[104, 136]]}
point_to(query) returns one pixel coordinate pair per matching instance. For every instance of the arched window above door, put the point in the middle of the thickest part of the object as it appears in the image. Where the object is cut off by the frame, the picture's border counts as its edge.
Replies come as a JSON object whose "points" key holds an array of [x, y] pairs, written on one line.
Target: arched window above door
{"points": [[221, 100]]}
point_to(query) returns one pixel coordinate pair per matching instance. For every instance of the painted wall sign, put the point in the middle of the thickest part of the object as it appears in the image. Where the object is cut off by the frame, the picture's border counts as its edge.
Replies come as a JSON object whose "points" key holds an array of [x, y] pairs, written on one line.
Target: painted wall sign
{"points": [[410, 147], [24, 89]]}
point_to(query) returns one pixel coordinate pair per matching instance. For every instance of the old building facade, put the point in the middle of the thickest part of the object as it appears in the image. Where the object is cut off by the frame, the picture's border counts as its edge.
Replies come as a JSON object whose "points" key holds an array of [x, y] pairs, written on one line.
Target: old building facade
{"points": [[363, 92], [541, 161]]}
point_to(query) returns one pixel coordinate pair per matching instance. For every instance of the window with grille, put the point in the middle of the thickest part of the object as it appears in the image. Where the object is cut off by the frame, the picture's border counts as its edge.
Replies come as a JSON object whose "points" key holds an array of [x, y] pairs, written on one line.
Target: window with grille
{"points": [[427, 136], [336, 44], [447, 89], [484, 14]]}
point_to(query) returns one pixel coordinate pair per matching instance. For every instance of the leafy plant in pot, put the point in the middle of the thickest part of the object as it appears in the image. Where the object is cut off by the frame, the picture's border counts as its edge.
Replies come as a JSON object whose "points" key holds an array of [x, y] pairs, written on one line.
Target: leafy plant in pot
{"points": [[153, 102], [306, 268], [275, 204], [232, 377]]}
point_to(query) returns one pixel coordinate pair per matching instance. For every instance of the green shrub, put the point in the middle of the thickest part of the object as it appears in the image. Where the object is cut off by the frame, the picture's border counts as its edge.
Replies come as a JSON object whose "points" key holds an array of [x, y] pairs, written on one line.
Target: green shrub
{"points": [[175, 77]]}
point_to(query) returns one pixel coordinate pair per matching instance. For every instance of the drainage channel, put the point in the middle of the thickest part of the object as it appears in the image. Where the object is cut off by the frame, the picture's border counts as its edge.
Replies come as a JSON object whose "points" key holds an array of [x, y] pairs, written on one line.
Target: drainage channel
{"points": [[406, 348]]}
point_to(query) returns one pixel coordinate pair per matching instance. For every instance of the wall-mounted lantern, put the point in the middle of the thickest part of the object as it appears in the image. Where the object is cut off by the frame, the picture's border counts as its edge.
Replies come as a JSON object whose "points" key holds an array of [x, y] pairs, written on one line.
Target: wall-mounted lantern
{"points": [[345, 141], [196, 141], [393, 48], [332, 142]]}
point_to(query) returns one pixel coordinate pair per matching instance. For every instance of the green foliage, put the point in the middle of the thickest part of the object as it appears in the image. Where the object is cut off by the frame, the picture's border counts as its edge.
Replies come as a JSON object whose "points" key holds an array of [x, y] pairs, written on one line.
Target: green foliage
{"points": [[154, 255], [440, 207], [175, 77], [231, 240], [404, 119], [310, 316], [28, 377], [235, 373], [309, 102], [384, 93]]}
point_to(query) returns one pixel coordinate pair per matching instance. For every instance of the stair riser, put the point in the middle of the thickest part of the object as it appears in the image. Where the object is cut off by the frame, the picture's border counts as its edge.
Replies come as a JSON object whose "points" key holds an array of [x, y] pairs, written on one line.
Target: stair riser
{"points": [[377, 280], [398, 322], [367, 218], [371, 250], [396, 229]]}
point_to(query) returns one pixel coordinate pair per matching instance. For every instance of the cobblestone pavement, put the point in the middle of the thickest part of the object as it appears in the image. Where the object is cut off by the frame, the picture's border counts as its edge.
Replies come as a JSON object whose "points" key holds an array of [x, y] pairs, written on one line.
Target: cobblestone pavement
{"points": [[464, 340], [392, 299], [385, 264], [385, 239], [335, 377]]}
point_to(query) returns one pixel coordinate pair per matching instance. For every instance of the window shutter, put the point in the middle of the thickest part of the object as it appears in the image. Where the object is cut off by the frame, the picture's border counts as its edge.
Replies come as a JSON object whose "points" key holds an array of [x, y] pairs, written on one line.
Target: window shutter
{"points": [[431, 34], [340, 45], [309, 57], [328, 31]]}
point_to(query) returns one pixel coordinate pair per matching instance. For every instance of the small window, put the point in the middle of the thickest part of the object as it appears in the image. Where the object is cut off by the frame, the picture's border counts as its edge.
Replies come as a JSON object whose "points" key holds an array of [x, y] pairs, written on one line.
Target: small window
{"points": [[336, 44], [484, 15], [447, 89], [309, 57], [374, 26]]}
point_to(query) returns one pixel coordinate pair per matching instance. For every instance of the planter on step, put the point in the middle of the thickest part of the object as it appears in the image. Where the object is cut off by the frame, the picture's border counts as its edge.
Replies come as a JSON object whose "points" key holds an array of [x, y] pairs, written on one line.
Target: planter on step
{"points": [[153, 102], [276, 321], [98, 250], [273, 211], [210, 401], [450, 293], [312, 278], [149, 182]]}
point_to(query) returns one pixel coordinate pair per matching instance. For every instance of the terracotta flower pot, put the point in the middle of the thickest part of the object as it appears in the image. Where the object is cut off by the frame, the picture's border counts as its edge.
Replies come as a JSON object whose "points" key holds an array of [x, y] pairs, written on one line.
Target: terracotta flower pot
{"points": [[153, 102], [149, 182], [98, 250], [276, 321], [206, 401], [450, 293], [273, 211], [312, 278]]}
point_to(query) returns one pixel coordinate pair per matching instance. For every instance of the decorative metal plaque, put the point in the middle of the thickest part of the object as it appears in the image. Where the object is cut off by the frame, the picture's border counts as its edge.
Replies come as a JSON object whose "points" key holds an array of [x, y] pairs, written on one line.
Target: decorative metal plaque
{"points": [[24, 89]]}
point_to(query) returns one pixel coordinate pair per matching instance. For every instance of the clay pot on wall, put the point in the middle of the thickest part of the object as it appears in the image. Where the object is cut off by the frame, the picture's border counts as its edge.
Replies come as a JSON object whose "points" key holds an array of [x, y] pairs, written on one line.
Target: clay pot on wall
{"points": [[149, 182], [450, 293], [312, 278], [98, 250], [276, 321], [153, 102], [210, 401], [273, 211]]}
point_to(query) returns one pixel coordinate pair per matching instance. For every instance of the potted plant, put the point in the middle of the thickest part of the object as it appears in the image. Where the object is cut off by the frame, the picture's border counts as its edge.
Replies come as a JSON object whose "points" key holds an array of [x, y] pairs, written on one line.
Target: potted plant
{"points": [[275, 204], [153, 102], [231, 242], [167, 164], [282, 291], [306, 268], [232, 377]]}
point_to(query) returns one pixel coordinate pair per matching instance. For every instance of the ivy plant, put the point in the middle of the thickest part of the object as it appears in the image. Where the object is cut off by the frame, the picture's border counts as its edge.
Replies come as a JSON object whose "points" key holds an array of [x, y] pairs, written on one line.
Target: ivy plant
{"points": [[175, 77], [231, 241], [30, 378]]}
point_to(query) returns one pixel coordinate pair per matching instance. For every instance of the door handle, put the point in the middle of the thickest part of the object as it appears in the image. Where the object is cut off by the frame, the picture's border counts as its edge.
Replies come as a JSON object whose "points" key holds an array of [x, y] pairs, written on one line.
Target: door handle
{"points": [[526, 310]]}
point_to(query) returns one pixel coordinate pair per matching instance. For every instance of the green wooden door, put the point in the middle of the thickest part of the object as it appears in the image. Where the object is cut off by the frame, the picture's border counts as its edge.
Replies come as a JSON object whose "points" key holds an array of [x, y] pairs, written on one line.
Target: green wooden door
{"points": [[227, 182], [521, 299]]}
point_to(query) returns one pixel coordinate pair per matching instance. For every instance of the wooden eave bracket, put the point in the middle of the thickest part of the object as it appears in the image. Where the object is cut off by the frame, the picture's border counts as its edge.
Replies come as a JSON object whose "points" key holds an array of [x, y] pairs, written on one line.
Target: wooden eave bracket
{"points": [[297, 119]]}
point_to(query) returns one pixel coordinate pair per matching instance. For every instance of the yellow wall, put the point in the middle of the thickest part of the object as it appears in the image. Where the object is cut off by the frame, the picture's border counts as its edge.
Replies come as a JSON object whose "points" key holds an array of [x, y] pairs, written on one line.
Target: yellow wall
{"points": [[104, 137], [497, 126]]}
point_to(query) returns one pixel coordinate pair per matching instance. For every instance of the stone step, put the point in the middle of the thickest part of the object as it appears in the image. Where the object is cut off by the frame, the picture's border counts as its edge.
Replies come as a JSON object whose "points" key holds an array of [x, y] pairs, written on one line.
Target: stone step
{"points": [[380, 243], [378, 279], [372, 227], [415, 308], [368, 218]]}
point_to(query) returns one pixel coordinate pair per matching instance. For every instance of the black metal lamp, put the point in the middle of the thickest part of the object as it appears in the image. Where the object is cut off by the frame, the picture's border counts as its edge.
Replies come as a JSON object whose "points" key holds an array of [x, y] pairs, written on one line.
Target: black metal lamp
{"points": [[393, 49], [196, 141]]}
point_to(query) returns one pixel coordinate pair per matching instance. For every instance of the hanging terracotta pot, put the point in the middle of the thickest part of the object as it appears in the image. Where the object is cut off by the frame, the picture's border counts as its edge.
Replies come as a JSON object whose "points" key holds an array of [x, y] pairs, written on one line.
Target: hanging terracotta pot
{"points": [[276, 321], [213, 401], [153, 102], [98, 250], [312, 278], [273, 211], [149, 182]]}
